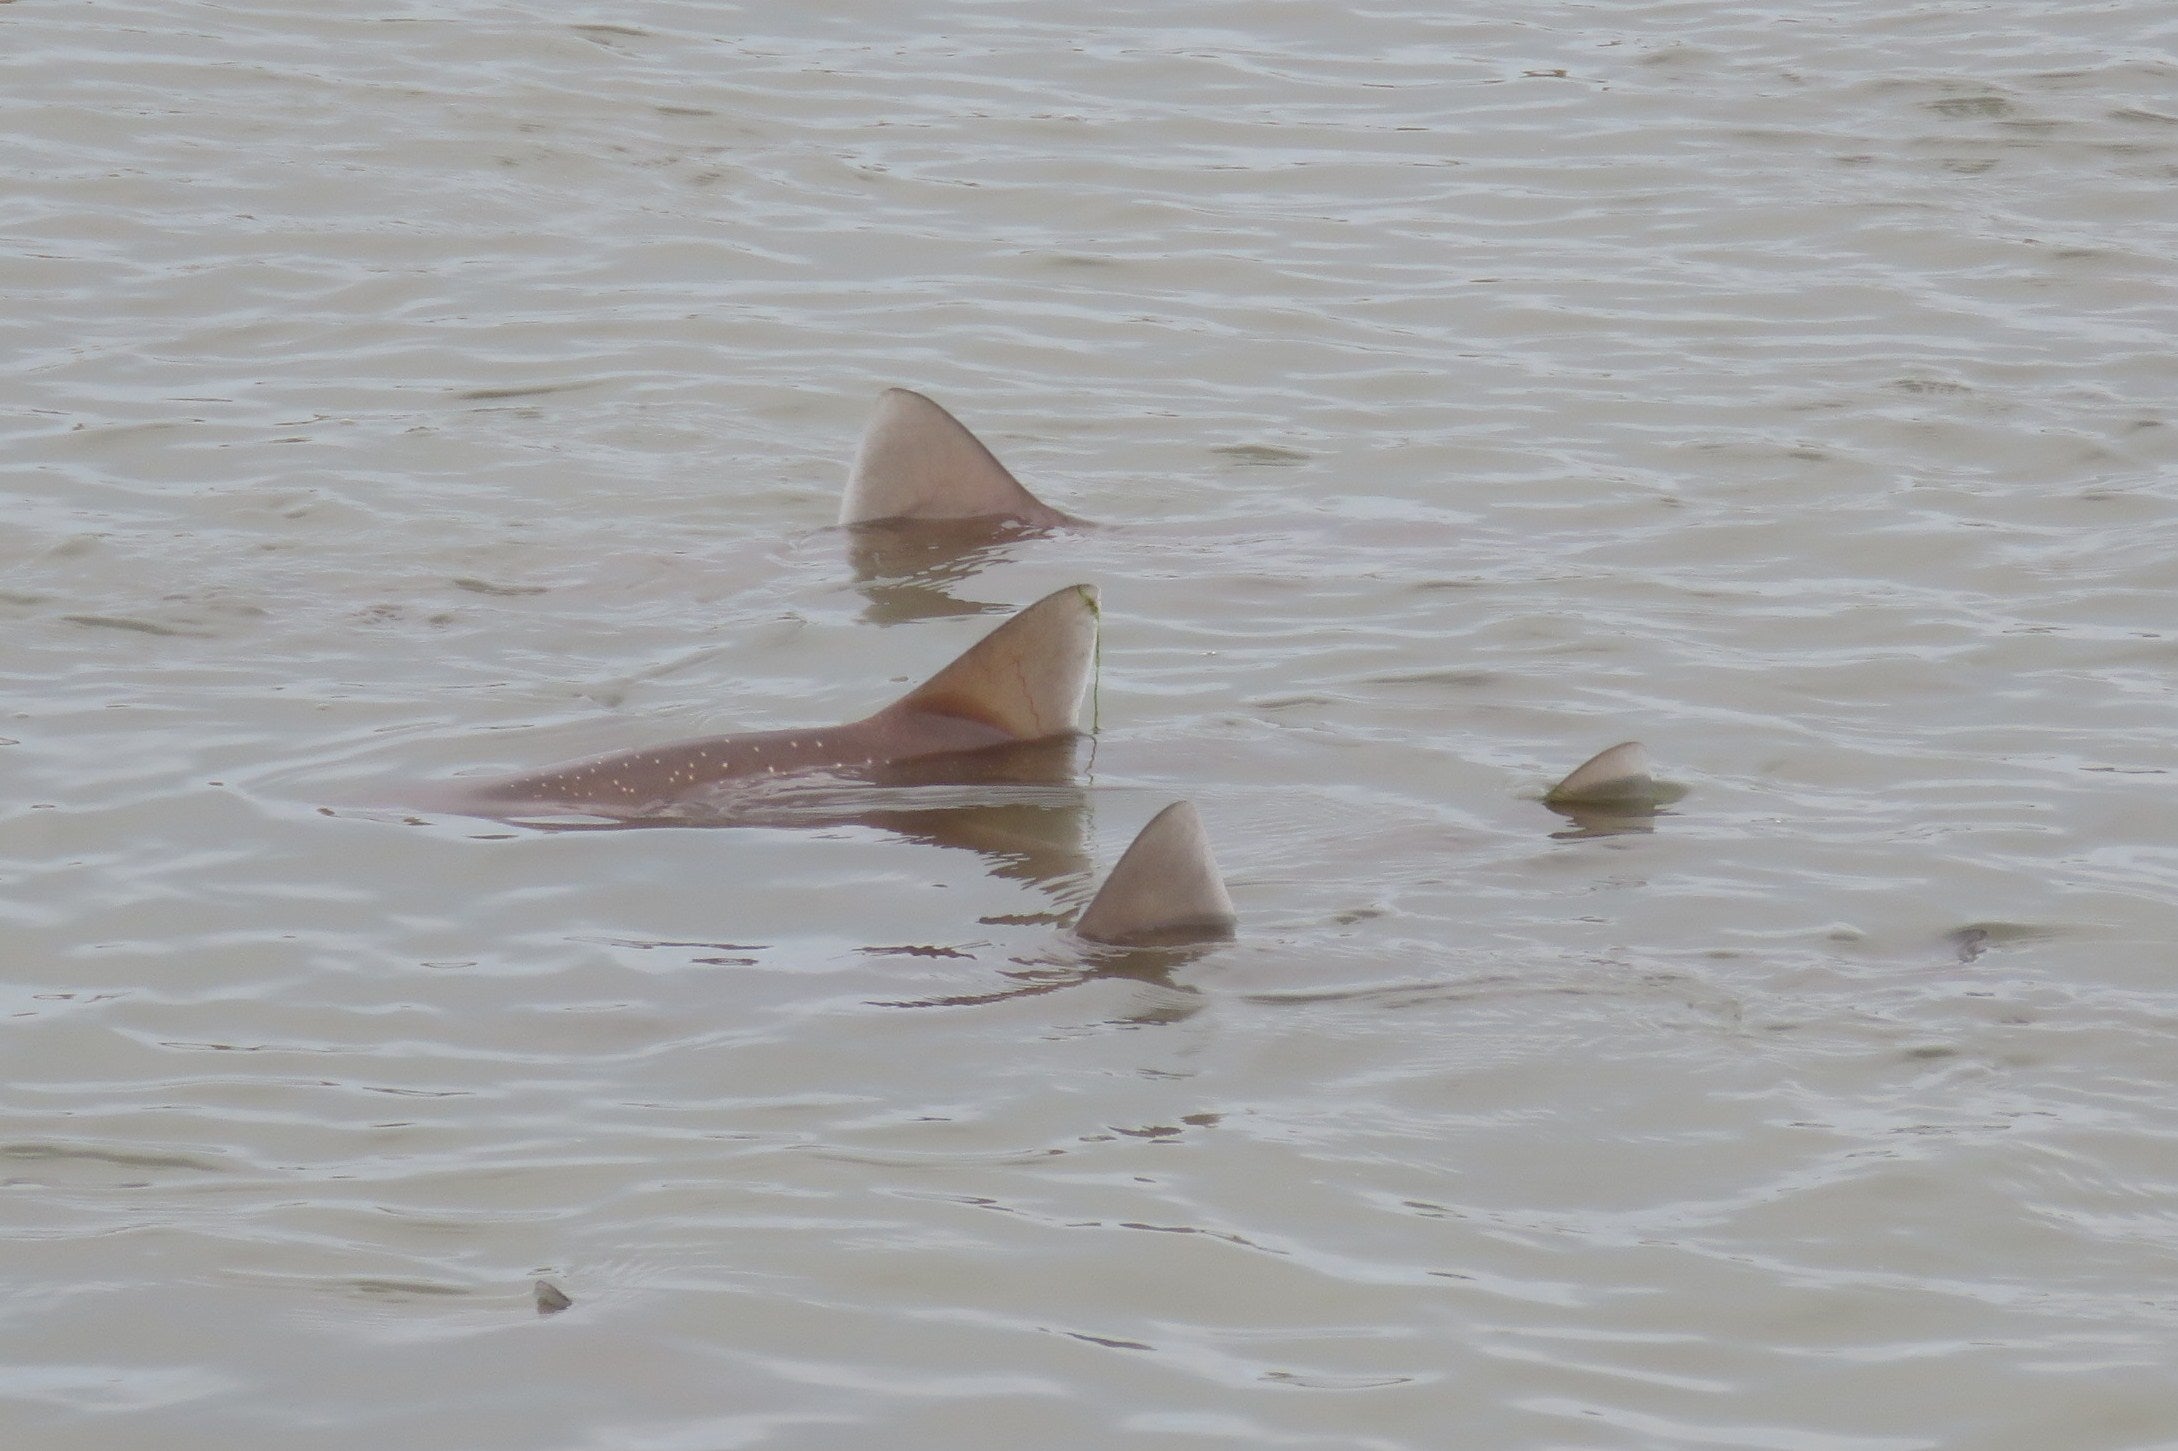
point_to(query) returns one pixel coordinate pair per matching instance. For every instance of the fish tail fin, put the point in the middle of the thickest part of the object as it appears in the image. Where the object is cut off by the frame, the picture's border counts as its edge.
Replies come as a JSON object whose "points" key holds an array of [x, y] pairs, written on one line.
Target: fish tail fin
{"points": [[1028, 677], [1165, 889], [918, 461]]}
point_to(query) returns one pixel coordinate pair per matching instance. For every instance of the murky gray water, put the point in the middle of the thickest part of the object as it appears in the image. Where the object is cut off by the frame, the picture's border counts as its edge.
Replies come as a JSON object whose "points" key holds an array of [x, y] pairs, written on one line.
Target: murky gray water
{"points": [[444, 388]]}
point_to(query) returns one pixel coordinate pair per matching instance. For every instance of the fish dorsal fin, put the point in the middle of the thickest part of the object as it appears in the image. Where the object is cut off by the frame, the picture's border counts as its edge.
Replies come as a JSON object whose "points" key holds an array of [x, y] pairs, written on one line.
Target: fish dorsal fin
{"points": [[1620, 774], [1027, 677], [918, 461], [1165, 891]]}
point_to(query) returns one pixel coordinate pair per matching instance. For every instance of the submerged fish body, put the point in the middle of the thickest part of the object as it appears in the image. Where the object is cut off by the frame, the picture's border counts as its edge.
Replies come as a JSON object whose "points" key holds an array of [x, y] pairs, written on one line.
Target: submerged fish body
{"points": [[1025, 681], [635, 781]]}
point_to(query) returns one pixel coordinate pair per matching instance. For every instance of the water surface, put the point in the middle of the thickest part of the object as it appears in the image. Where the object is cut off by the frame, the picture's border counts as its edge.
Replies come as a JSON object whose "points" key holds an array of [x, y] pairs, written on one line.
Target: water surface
{"points": [[446, 388]]}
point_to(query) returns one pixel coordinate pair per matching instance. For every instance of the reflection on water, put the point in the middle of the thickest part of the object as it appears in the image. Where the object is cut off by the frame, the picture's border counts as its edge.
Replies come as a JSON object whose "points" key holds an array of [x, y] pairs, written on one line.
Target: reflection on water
{"points": [[1616, 819], [1623, 816], [1020, 806], [907, 568], [1168, 1001], [1040, 843]]}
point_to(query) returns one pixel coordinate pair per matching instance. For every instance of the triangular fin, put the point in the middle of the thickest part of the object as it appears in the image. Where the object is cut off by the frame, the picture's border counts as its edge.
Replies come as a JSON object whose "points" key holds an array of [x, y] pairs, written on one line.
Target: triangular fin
{"points": [[1616, 776], [1028, 677], [918, 461], [1165, 890]]}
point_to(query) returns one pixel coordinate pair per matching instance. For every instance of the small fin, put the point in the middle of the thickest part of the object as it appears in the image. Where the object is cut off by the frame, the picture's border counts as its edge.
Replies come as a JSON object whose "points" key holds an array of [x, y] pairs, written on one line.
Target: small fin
{"points": [[1027, 677], [918, 461], [551, 1299], [1618, 775], [1165, 891]]}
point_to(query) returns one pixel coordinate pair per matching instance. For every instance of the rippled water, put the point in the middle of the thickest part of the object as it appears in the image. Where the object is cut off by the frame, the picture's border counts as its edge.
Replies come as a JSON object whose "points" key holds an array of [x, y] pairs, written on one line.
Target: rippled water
{"points": [[450, 388]]}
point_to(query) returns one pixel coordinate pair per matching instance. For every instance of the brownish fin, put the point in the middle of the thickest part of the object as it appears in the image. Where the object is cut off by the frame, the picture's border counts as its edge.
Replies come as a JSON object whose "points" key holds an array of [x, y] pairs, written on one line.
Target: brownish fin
{"points": [[1165, 890], [1027, 678], [918, 461], [1618, 776]]}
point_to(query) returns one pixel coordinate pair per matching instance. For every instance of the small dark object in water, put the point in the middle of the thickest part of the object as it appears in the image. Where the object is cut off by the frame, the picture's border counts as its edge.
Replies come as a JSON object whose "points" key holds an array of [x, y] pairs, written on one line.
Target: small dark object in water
{"points": [[551, 1299]]}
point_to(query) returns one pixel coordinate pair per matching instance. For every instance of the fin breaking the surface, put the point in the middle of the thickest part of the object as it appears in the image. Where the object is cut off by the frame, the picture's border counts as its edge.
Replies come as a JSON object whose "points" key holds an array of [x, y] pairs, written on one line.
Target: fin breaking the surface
{"points": [[1165, 890], [1027, 678], [1616, 777], [918, 461]]}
